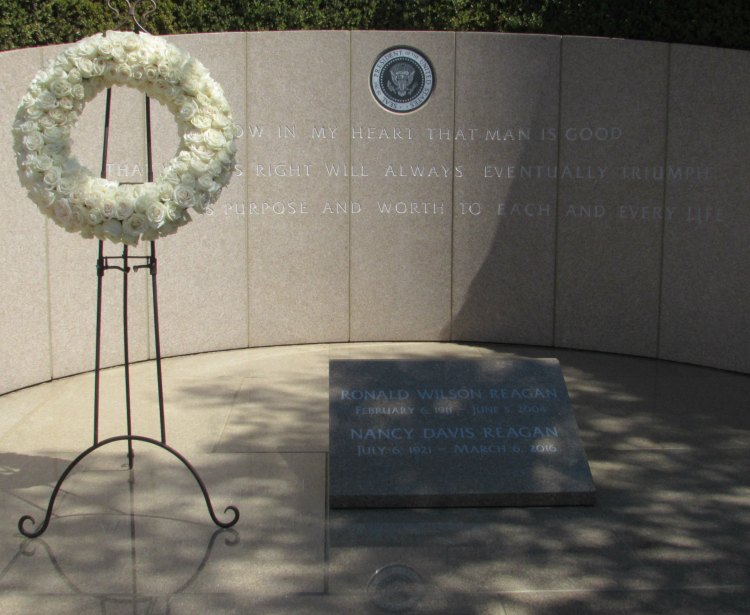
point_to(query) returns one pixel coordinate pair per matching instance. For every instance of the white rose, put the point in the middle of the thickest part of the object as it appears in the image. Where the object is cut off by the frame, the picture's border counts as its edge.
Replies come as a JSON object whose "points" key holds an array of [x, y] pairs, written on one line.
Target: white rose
{"points": [[116, 36], [60, 87], [193, 137], [27, 174], [173, 213], [123, 72], [201, 121], [86, 49], [85, 67], [215, 167], [198, 167], [165, 68], [203, 100], [214, 139], [191, 85], [105, 47], [68, 184], [134, 225], [207, 183], [52, 177], [34, 111], [42, 78], [92, 217], [66, 104], [108, 210], [76, 197], [171, 178], [46, 121], [180, 163], [164, 190], [78, 91], [27, 127], [93, 199], [184, 196], [74, 76], [47, 100], [163, 90], [54, 134], [100, 65], [202, 153], [123, 210], [42, 163], [58, 114], [152, 73], [188, 109], [156, 214], [33, 141], [132, 41], [140, 56], [145, 200], [119, 54]]}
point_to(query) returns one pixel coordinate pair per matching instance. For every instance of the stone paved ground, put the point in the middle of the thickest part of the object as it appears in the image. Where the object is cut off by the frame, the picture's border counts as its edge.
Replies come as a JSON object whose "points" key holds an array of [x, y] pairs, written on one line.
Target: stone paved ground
{"points": [[668, 447]]}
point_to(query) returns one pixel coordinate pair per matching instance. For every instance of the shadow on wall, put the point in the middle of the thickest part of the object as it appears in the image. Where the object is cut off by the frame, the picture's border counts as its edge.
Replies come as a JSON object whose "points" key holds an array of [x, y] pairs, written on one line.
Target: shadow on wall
{"points": [[504, 224]]}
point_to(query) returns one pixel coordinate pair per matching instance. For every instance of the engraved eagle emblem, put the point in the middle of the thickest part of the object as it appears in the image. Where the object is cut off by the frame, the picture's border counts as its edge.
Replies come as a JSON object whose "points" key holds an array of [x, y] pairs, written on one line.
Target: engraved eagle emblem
{"points": [[401, 82]]}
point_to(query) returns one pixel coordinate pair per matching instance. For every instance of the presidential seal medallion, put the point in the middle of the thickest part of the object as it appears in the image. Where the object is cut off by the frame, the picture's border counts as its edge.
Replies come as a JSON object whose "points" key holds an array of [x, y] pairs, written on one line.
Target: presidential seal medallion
{"points": [[402, 79]]}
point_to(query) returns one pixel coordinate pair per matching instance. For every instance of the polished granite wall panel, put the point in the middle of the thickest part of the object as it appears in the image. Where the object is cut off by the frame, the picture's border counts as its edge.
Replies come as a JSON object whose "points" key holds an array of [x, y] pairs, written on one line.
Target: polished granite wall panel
{"points": [[505, 197], [610, 209], [298, 268], [298, 169], [705, 316], [202, 282], [24, 326], [401, 237]]}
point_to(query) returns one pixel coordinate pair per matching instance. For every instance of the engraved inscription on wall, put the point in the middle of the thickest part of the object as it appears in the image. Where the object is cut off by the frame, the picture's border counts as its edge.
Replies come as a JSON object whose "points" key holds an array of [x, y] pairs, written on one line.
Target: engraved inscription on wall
{"points": [[293, 166]]}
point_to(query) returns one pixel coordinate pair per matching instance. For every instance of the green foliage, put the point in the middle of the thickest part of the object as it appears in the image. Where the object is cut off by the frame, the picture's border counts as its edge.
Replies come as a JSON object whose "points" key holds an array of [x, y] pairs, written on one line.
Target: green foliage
{"points": [[724, 23]]}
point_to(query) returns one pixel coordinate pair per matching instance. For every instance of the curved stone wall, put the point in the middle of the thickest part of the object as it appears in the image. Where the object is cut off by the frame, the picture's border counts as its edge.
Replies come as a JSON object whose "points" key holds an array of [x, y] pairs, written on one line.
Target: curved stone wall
{"points": [[560, 191]]}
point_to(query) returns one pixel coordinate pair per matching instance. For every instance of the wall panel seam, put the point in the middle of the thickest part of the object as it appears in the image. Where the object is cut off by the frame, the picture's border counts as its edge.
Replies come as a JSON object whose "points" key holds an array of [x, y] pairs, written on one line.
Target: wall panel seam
{"points": [[667, 104], [556, 238], [247, 194], [453, 193], [349, 194]]}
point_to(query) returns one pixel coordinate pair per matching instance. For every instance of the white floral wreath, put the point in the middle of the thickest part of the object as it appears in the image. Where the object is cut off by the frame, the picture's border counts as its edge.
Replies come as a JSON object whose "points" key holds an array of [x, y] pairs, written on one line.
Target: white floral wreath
{"points": [[69, 193]]}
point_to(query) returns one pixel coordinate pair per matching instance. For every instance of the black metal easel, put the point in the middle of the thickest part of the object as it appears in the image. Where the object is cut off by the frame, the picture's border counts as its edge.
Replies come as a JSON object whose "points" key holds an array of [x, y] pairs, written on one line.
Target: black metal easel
{"points": [[103, 264]]}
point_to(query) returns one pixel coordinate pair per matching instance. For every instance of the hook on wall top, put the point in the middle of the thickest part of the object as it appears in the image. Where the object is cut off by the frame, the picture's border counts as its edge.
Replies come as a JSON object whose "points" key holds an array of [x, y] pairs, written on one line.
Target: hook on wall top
{"points": [[133, 13]]}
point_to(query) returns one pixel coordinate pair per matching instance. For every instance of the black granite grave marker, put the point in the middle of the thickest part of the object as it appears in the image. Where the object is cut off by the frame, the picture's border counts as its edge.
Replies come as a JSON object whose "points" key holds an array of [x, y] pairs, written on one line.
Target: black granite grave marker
{"points": [[454, 433]]}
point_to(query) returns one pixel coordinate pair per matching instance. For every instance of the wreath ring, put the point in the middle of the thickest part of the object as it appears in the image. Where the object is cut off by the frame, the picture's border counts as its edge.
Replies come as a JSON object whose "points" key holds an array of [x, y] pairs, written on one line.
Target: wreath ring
{"points": [[70, 194]]}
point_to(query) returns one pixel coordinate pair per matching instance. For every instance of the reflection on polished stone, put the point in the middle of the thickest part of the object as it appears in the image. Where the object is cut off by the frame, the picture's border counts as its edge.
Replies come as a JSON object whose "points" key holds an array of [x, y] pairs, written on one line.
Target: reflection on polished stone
{"points": [[396, 588], [141, 579]]}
